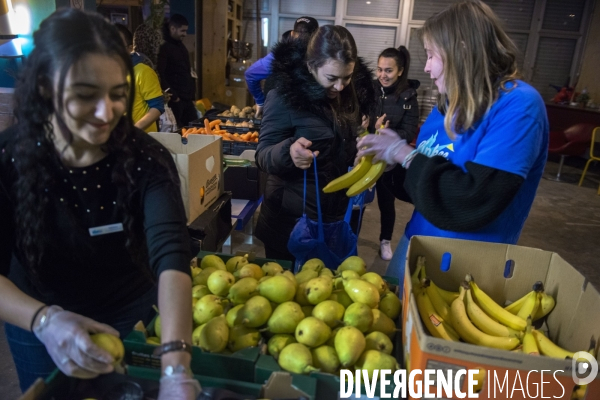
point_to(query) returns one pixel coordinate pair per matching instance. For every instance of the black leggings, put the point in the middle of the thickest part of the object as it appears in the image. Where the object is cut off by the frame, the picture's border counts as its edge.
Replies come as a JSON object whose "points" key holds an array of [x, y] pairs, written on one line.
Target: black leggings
{"points": [[387, 209]]}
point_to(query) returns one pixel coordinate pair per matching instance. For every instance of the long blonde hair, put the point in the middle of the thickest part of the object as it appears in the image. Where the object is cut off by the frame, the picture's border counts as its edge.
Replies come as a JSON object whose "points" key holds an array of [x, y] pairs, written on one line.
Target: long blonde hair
{"points": [[478, 57]]}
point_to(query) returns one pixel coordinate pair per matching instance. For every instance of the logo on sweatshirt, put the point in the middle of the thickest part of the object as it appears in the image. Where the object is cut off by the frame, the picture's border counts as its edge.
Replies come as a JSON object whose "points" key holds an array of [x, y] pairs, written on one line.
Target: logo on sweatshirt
{"points": [[430, 148]]}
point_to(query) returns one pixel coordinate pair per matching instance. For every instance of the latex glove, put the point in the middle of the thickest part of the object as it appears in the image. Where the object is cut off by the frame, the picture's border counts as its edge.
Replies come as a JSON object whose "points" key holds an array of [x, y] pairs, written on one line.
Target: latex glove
{"points": [[387, 146], [66, 336], [178, 386], [258, 113], [301, 155]]}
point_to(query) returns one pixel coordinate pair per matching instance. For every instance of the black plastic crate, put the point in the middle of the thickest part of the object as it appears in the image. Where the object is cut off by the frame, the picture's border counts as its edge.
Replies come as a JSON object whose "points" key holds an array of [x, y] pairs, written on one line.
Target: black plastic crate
{"points": [[233, 148]]}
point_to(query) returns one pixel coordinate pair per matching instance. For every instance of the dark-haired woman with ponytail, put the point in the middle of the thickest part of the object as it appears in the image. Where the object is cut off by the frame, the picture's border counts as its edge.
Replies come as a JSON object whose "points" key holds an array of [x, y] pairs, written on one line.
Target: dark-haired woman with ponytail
{"points": [[398, 109], [92, 222]]}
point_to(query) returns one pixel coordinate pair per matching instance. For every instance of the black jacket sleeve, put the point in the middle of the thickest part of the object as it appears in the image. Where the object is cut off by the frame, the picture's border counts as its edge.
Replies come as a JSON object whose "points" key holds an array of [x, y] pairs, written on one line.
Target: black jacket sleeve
{"points": [[6, 231], [276, 138], [407, 128], [161, 68], [457, 201]]}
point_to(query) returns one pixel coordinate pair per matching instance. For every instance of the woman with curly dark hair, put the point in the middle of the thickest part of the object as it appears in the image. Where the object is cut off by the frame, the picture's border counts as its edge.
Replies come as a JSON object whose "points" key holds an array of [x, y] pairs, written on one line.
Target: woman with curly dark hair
{"points": [[91, 214]]}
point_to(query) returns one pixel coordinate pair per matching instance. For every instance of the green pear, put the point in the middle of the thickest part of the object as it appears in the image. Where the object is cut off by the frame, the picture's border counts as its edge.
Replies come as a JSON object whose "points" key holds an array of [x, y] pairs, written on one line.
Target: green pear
{"points": [[353, 263], [207, 308], [318, 289], [379, 341], [382, 323], [285, 318], [214, 336], [362, 292], [372, 360], [300, 296], [359, 315], [232, 315], [157, 326], [289, 275], [219, 282], [271, 268], [307, 310], [241, 337], [196, 335], [255, 312], [242, 290], [326, 272], [278, 343], [236, 262], [325, 358], [199, 291], [296, 358], [390, 305], [343, 298], [249, 271], [344, 275], [264, 278], [312, 332], [202, 277], [213, 261], [349, 345], [313, 264], [278, 289], [306, 275], [376, 280], [330, 312]]}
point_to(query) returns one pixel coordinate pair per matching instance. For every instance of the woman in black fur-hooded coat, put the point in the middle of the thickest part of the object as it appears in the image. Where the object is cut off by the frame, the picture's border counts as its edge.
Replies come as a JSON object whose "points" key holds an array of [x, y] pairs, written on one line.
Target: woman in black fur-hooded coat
{"points": [[321, 91]]}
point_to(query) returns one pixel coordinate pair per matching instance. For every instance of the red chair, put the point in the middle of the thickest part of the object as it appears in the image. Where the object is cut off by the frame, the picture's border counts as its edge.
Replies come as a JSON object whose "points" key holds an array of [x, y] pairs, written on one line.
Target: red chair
{"points": [[573, 141]]}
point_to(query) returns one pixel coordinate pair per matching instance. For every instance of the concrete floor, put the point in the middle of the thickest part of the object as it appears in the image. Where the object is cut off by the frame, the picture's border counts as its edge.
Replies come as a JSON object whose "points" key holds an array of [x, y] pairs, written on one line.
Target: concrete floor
{"points": [[565, 219]]}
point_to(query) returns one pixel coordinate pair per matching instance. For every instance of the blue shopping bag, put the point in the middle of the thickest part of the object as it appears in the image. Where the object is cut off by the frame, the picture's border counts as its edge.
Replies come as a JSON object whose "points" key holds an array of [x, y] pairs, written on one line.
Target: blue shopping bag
{"points": [[331, 242]]}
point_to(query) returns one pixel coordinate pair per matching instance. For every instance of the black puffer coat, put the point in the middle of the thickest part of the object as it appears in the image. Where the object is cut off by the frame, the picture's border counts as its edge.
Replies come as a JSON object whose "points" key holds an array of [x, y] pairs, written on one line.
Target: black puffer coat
{"points": [[402, 111], [298, 106]]}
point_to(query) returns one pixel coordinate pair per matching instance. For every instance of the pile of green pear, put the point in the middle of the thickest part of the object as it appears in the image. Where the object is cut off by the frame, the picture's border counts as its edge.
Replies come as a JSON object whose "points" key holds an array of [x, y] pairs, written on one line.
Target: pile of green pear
{"points": [[315, 320]]}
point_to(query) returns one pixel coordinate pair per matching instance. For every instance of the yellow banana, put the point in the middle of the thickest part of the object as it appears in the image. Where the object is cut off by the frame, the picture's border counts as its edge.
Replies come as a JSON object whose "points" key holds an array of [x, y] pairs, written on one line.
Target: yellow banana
{"points": [[548, 348], [442, 308], [484, 322], [494, 310], [414, 278], [529, 343], [530, 306], [515, 306], [351, 177], [547, 303], [367, 180], [433, 322], [447, 295], [580, 390], [469, 332]]}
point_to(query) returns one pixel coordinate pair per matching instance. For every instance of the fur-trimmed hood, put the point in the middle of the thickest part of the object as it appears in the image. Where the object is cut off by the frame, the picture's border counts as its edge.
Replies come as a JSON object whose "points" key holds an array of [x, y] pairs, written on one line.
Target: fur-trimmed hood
{"points": [[299, 90]]}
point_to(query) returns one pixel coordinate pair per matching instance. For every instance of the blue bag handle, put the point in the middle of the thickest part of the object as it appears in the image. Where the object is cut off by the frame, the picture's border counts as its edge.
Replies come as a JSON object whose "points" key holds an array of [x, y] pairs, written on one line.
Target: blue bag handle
{"points": [[321, 234]]}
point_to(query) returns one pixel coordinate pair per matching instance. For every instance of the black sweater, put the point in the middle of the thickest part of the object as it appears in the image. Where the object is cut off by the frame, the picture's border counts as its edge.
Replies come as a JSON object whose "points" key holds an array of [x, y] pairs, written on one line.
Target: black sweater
{"points": [[94, 275]]}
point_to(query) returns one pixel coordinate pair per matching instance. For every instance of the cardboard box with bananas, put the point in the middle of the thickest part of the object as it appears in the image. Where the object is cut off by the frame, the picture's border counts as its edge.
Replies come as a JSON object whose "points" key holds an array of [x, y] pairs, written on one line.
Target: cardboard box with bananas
{"points": [[524, 318]]}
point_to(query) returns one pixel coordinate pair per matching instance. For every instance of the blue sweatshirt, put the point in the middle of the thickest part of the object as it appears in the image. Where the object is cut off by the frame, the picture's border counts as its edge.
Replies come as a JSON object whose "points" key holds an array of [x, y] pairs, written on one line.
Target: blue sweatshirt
{"points": [[257, 72]]}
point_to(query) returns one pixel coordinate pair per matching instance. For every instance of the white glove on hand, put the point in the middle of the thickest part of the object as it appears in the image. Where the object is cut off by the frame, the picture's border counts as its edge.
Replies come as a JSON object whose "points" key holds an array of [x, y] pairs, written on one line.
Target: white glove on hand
{"points": [[178, 386], [387, 146], [66, 336]]}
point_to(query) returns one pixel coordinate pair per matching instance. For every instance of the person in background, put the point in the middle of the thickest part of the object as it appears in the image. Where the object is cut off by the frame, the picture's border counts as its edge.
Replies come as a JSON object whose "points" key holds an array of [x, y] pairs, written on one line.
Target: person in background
{"points": [[93, 225], [398, 109], [322, 91], [148, 102], [304, 27], [174, 70], [481, 153]]}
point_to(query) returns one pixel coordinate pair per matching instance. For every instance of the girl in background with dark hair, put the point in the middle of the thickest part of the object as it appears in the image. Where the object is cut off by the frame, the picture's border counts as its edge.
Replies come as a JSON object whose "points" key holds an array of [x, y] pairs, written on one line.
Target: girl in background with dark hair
{"points": [[91, 215], [398, 109], [321, 93]]}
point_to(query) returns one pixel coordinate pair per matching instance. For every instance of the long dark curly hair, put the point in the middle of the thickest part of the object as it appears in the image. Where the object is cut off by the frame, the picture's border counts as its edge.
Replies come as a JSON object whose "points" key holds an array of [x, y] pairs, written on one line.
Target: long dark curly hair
{"points": [[63, 39]]}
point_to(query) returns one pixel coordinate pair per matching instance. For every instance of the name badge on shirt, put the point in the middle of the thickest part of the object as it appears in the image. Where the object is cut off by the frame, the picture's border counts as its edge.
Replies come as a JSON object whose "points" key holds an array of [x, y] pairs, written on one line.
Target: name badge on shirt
{"points": [[103, 230]]}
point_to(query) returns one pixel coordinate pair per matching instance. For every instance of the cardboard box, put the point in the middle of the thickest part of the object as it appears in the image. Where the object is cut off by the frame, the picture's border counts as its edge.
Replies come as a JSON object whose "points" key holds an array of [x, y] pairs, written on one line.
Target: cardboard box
{"points": [[200, 167], [571, 324], [247, 183]]}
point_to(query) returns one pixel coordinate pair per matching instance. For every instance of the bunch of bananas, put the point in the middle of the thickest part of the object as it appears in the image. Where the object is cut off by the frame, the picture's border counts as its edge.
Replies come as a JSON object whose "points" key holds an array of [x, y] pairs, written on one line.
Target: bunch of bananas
{"points": [[358, 179], [473, 316]]}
